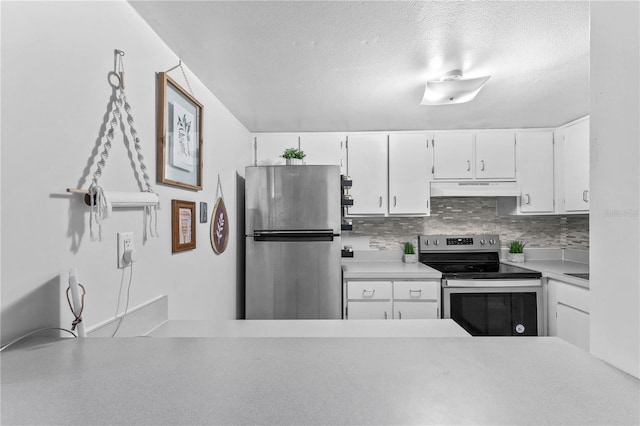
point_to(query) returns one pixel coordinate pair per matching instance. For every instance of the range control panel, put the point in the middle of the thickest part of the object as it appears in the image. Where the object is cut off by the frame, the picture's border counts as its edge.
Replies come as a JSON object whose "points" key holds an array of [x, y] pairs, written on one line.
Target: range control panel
{"points": [[482, 242]]}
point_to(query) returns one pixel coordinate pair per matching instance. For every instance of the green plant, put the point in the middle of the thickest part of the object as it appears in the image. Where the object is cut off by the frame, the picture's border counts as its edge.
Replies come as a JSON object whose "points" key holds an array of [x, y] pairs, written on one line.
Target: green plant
{"points": [[516, 246], [408, 248], [293, 153]]}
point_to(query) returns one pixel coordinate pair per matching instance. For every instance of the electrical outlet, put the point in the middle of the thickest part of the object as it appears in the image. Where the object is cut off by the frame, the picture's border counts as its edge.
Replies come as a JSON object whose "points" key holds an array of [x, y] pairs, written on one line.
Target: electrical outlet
{"points": [[125, 242]]}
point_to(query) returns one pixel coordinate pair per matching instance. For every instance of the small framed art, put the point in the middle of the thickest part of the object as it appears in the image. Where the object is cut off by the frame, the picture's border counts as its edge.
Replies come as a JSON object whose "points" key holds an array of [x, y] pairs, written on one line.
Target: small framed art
{"points": [[183, 225]]}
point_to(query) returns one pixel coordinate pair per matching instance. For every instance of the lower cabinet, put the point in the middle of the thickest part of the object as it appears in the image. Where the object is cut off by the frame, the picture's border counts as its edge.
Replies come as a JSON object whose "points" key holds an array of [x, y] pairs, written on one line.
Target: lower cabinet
{"points": [[568, 313], [394, 299]]}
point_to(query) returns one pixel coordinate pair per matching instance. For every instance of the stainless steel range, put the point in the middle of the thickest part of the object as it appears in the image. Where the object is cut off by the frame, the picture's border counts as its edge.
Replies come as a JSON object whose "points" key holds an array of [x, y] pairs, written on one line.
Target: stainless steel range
{"points": [[482, 295]]}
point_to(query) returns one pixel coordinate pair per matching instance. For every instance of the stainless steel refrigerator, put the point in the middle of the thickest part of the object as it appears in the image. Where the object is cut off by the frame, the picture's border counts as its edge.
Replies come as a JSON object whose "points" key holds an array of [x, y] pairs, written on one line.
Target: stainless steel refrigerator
{"points": [[293, 248]]}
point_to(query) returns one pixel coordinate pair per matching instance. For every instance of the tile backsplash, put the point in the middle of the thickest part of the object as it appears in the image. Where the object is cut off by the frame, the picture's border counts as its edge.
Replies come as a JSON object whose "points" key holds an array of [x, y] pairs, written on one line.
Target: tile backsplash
{"points": [[475, 215]]}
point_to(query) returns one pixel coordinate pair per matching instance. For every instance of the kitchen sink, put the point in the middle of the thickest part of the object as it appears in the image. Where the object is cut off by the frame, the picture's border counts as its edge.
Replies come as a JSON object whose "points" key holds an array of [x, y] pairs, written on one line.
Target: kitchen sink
{"points": [[582, 275]]}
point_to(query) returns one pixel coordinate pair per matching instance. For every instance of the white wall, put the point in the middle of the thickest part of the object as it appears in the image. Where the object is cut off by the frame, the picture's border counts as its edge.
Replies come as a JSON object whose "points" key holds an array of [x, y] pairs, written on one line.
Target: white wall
{"points": [[615, 184], [55, 60]]}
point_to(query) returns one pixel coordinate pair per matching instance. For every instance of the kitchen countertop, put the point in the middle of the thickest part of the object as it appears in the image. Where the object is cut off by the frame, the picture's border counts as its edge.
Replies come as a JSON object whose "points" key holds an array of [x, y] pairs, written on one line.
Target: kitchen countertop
{"points": [[311, 328], [180, 381], [387, 269], [556, 269]]}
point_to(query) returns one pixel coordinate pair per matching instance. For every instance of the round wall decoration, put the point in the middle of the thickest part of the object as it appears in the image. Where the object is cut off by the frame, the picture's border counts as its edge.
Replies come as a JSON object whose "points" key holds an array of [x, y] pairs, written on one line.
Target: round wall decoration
{"points": [[219, 227]]}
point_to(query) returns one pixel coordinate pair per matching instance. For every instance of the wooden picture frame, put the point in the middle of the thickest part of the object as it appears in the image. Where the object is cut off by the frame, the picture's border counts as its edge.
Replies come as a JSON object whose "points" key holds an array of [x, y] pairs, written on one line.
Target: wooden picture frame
{"points": [[183, 225], [179, 133]]}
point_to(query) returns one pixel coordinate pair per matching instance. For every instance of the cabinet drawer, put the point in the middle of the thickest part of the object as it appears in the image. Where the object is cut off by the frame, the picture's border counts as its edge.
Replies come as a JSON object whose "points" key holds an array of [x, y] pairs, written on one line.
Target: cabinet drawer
{"points": [[369, 290], [416, 290], [415, 310], [574, 296], [369, 310]]}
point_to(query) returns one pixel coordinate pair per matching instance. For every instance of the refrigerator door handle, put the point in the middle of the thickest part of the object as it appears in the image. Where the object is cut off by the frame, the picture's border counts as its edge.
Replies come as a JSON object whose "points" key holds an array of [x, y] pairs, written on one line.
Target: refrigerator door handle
{"points": [[294, 235]]}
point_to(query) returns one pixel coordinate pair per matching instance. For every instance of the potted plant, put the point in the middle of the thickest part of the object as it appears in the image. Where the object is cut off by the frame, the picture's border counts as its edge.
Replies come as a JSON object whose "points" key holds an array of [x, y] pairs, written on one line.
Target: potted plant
{"points": [[409, 254], [293, 156], [516, 251]]}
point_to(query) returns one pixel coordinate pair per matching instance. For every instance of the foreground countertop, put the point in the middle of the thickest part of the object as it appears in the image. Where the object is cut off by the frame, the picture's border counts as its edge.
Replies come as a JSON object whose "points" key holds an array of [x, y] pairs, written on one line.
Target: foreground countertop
{"points": [[311, 328], [288, 380]]}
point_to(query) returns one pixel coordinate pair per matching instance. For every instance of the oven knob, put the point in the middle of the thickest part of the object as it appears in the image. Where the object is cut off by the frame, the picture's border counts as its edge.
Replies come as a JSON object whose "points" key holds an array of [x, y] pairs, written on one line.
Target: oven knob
{"points": [[482, 242], [436, 242], [426, 242], [492, 241]]}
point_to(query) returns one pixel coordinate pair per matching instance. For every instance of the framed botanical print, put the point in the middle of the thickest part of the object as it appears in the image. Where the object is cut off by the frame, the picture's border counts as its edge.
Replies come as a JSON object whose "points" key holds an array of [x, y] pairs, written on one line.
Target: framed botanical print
{"points": [[183, 225], [179, 149]]}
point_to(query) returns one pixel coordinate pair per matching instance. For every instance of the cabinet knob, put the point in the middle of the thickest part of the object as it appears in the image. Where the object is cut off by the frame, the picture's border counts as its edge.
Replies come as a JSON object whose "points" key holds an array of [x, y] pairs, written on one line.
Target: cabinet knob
{"points": [[468, 165], [385, 314], [482, 165], [394, 201], [380, 202], [527, 199], [585, 195], [399, 315]]}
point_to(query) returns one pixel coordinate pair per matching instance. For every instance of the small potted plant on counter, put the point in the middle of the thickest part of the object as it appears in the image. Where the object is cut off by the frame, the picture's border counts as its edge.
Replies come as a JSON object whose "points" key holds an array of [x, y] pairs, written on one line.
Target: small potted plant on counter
{"points": [[516, 253], [293, 156], [409, 254]]}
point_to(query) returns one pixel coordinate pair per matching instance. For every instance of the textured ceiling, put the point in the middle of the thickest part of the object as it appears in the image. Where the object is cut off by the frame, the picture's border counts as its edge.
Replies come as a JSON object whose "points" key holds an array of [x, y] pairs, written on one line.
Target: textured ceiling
{"points": [[357, 66]]}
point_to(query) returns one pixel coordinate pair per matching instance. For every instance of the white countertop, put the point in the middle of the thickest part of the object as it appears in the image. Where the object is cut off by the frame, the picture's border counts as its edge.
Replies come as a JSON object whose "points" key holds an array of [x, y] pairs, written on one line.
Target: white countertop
{"points": [[387, 269], [556, 269], [191, 381], [311, 328]]}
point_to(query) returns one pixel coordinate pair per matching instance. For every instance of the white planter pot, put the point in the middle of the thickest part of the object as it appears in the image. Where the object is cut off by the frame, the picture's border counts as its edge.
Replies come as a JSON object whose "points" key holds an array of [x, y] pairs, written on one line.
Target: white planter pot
{"points": [[294, 161], [515, 257], [410, 258]]}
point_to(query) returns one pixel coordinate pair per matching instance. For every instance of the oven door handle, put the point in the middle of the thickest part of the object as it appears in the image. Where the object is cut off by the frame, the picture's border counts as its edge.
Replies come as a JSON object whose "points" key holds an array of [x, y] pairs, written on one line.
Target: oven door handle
{"points": [[481, 283]]}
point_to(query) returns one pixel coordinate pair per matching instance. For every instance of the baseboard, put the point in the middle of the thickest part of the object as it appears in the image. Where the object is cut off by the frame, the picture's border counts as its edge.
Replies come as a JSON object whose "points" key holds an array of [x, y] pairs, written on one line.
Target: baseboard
{"points": [[139, 321]]}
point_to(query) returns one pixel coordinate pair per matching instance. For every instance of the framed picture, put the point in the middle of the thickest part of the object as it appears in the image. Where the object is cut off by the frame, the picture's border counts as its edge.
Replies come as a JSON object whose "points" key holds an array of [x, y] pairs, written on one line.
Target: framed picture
{"points": [[183, 225], [179, 151]]}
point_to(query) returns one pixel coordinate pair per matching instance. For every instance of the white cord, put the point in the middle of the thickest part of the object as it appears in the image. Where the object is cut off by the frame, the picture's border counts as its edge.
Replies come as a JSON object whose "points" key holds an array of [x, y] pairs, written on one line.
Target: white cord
{"points": [[34, 332], [126, 306]]}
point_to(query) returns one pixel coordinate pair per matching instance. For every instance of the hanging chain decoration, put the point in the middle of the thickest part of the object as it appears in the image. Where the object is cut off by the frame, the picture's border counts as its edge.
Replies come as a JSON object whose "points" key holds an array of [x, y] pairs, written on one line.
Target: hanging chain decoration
{"points": [[219, 223], [100, 206]]}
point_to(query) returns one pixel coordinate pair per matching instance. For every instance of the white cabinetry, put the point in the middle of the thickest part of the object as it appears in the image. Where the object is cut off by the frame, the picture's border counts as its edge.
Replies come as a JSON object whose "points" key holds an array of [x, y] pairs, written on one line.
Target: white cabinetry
{"points": [[390, 174], [396, 299], [324, 148], [409, 173], [568, 312], [572, 148], [495, 156], [465, 155], [535, 175], [367, 167], [452, 155], [270, 146]]}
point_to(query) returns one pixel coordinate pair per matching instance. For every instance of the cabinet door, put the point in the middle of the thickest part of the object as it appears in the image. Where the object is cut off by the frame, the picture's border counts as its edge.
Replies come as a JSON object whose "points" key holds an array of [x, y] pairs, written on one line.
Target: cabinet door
{"points": [[495, 155], [270, 146], [535, 171], [408, 174], [323, 148], [367, 167], [452, 155], [573, 326], [369, 310], [576, 166], [415, 310]]}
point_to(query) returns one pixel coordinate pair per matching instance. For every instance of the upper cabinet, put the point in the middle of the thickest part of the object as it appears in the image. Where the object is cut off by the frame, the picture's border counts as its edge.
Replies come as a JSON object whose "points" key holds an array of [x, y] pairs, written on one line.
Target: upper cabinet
{"points": [[270, 146], [367, 168], [453, 155], [572, 151], [390, 174], [465, 155], [324, 148], [409, 173], [495, 155], [535, 175]]}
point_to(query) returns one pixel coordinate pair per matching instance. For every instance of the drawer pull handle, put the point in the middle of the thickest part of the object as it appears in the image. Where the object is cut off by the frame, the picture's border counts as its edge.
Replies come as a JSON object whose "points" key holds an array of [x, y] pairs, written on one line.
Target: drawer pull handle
{"points": [[368, 293], [482, 165], [419, 291]]}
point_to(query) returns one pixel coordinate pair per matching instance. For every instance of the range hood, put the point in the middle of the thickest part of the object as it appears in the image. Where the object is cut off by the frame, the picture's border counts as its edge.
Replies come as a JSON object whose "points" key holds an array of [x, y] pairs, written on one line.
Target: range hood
{"points": [[474, 189]]}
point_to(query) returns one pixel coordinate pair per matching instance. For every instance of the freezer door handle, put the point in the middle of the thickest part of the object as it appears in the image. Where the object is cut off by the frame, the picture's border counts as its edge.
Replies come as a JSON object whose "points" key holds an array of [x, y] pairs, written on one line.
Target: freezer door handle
{"points": [[294, 235]]}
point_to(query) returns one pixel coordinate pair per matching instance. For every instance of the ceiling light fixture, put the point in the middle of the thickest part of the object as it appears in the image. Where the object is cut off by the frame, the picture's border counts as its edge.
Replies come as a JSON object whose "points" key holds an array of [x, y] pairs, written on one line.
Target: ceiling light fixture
{"points": [[452, 89]]}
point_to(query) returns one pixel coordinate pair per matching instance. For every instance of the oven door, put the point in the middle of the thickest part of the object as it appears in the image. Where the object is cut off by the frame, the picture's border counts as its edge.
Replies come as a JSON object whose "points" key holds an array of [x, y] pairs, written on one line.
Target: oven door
{"points": [[494, 307]]}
